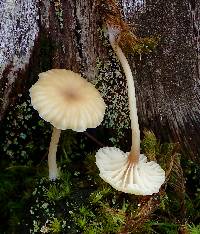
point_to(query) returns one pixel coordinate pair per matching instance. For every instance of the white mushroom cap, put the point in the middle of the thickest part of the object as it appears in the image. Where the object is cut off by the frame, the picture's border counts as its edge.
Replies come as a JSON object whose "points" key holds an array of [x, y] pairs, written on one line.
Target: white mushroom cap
{"points": [[67, 100], [143, 178]]}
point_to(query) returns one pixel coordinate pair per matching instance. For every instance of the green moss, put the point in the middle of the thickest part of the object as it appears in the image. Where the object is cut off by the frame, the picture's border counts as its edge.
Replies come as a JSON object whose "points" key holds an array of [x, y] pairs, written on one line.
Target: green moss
{"points": [[55, 226], [57, 191], [194, 229], [158, 227], [66, 206], [139, 46], [80, 201], [102, 219], [150, 145]]}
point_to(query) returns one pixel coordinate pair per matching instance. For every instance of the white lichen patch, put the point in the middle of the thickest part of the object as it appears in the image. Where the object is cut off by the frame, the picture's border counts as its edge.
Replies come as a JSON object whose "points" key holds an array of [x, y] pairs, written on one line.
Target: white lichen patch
{"points": [[19, 127], [19, 30], [111, 83], [44, 14], [132, 7]]}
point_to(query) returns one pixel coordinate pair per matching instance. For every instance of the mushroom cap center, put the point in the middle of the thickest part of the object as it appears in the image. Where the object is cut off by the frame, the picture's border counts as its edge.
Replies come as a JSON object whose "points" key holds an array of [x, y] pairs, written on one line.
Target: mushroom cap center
{"points": [[72, 95]]}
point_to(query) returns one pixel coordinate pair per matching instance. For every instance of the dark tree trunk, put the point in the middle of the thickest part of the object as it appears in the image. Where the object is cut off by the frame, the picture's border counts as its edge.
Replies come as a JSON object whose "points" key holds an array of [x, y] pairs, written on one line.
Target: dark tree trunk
{"points": [[37, 35], [168, 79]]}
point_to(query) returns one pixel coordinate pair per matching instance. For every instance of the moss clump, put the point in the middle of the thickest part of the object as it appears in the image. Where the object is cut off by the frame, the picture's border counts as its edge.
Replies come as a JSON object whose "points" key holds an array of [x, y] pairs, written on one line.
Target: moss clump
{"points": [[58, 191], [194, 229], [49, 196]]}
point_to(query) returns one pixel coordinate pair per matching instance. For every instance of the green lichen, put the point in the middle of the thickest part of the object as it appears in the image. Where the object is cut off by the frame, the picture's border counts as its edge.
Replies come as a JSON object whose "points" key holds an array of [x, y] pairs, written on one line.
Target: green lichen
{"points": [[59, 11], [20, 127], [111, 82]]}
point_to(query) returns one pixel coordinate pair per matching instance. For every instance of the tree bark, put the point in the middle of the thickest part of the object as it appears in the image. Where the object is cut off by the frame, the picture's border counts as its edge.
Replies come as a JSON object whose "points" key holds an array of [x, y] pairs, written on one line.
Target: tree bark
{"points": [[37, 35], [168, 79]]}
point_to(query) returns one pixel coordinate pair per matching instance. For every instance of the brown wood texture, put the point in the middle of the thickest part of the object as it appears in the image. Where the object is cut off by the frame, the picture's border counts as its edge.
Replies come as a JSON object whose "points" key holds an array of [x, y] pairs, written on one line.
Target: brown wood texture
{"points": [[168, 79], [167, 83]]}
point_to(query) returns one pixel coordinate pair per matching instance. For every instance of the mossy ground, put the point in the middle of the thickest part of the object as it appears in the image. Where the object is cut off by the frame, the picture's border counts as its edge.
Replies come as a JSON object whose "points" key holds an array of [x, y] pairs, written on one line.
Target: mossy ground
{"points": [[80, 201]]}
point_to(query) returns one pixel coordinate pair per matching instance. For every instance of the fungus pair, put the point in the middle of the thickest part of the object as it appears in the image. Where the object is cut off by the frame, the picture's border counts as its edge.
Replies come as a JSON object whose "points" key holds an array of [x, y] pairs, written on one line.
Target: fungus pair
{"points": [[67, 101]]}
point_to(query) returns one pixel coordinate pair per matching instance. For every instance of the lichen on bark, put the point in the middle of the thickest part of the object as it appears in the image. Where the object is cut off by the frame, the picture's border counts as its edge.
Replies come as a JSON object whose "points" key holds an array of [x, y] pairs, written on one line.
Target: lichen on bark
{"points": [[19, 31]]}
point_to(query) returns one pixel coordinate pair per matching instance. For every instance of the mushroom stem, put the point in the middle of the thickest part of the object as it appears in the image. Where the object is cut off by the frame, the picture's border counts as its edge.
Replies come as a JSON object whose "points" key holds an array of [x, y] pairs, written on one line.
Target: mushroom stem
{"points": [[135, 148], [53, 170]]}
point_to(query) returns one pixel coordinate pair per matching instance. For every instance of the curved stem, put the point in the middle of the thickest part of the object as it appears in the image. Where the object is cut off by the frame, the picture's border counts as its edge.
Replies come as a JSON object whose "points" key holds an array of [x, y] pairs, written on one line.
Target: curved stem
{"points": [[135, 148], [53, 170]]}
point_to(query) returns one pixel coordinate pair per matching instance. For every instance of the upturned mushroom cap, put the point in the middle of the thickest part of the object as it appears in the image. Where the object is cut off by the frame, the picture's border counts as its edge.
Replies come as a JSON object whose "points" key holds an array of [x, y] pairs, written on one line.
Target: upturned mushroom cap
{"points": [[143, 178], [67, 100]]}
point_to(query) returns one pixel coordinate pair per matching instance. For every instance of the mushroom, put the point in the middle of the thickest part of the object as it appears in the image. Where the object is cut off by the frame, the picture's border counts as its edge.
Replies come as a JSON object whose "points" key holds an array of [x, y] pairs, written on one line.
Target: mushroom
{"points": [[128, 172], [67, 101]]}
